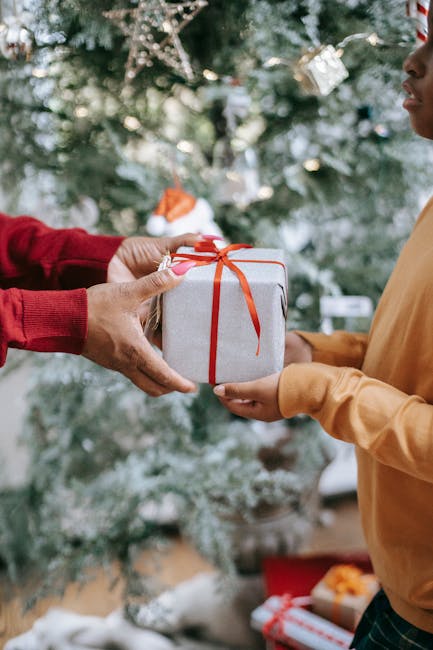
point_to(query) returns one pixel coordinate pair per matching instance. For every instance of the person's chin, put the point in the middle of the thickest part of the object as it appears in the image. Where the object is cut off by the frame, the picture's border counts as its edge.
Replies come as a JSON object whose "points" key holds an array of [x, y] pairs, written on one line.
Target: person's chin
{"points": [[425, 130], [426, 133]]}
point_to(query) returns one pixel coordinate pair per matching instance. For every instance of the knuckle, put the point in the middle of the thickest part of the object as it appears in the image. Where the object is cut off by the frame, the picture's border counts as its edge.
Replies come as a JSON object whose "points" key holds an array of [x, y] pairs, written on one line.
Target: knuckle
{"points": [[158, 281], [122, 290]]}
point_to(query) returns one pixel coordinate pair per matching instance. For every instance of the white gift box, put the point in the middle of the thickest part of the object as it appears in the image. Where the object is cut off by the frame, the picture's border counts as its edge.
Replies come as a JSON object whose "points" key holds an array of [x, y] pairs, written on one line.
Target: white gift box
{"points": [[298, 627], [213, 340], [320, 70]]}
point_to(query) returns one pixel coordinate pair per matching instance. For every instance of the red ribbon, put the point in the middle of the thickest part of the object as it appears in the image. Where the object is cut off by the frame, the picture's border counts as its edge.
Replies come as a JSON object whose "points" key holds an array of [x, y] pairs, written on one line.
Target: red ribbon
{"points": [[274, 628], [221, 259]]}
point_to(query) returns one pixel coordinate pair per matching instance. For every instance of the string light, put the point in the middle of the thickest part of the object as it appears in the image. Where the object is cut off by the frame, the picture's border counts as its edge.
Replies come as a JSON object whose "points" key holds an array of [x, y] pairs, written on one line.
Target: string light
{"points": [[210, 75], [131, 123], [320, 69], [265, 192], [312, 164], [81, 111], [273, 61], [372, 38], [185, 146], [39, 73]]}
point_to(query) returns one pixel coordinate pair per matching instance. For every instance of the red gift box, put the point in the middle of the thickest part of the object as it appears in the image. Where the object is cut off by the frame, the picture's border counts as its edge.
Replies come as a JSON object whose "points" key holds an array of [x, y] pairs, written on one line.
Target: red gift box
{"points": [[297, 574]]}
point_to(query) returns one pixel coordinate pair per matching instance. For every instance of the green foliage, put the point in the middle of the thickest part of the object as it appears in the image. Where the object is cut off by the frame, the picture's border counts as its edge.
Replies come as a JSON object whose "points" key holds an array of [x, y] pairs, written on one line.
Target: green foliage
{"points": [[100, 450]]}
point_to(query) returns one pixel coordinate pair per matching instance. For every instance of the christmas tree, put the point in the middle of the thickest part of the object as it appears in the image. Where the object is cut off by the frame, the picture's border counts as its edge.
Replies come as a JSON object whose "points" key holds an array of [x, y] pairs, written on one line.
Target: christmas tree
{"points": [[103, 103]]}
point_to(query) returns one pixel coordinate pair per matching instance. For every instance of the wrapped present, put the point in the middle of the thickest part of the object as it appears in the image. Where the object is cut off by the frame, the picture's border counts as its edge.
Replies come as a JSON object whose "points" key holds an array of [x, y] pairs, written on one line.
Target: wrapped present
{"points": [[343, 594], [226, 321], [285, 622]]}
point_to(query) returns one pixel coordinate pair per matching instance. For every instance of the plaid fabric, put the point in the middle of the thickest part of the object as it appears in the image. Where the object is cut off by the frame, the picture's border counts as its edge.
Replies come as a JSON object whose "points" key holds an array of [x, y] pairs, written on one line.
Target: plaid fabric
{"points": [[380, 627]]}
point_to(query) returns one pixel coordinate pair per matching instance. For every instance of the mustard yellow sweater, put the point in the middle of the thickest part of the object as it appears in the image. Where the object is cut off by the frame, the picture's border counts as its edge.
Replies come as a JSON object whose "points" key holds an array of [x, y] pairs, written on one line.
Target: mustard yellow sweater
{"points": [[376, 391]]}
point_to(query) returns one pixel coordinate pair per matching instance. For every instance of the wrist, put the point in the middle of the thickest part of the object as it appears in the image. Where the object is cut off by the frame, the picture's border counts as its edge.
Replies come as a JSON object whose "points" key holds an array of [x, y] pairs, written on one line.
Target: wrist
{"points": [[304, 388], [307, 349]]}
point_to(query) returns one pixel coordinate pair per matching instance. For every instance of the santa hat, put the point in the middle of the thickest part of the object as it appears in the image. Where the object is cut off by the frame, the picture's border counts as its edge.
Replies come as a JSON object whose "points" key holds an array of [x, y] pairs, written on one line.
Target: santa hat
{"points": [[178, 212], [174, 204]]}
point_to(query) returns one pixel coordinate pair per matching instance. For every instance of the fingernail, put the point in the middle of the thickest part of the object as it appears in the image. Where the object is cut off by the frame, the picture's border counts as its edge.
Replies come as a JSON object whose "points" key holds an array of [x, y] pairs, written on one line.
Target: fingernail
{"points": [[182, 267], [219, 390], [212, 237]]}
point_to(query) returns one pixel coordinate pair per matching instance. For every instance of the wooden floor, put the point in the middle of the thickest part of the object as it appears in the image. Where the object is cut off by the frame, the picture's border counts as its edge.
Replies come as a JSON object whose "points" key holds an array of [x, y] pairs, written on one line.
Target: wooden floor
{"points": [[341, 532]]}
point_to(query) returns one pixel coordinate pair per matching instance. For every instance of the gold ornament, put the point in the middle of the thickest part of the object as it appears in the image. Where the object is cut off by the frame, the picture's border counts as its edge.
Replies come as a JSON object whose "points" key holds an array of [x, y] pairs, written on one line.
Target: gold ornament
{"points": [[321, 70], [153, 29]]}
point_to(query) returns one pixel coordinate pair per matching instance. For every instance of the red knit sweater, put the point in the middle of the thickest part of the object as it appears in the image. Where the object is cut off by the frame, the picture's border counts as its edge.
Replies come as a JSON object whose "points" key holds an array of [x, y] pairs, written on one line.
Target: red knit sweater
{"points": [[43, 278]]}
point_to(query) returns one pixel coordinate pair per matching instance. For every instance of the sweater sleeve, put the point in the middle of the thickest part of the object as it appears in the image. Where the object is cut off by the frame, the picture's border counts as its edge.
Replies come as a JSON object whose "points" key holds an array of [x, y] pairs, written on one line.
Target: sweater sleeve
{"points": [[393, 427], [35, 256], [43, 278], [337, 349], [42, 321]]}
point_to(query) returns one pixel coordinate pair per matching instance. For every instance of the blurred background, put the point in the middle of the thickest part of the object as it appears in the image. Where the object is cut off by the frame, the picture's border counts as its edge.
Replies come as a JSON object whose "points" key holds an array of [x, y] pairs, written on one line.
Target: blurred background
{"points": [[284, 119]]}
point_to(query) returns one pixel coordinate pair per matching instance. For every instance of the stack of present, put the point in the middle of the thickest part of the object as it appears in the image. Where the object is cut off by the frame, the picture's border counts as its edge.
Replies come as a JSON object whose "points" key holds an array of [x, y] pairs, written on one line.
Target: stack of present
{"points": [[328, 595], [226, 321]]}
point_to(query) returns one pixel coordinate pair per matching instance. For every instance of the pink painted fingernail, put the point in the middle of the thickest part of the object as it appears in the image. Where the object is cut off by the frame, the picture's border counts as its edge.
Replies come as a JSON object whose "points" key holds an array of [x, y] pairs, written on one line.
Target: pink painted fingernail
{"points": [[182, 267], [212, 237]]}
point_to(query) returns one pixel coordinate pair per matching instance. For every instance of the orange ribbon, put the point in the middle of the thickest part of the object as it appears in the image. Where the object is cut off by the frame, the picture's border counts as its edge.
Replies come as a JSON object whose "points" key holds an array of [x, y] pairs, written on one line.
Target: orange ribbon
{"points": [[221, 259], [345, 579]]}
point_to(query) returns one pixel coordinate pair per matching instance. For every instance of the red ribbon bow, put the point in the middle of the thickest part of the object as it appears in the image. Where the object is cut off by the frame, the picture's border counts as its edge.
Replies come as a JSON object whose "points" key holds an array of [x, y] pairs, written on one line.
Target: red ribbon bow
{"points": [[221, 259]]}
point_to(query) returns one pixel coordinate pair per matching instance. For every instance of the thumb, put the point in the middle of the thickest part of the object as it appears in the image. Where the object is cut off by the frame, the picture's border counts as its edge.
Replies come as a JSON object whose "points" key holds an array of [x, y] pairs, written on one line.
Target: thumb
{"points": [[154, 284], [242, 390]]}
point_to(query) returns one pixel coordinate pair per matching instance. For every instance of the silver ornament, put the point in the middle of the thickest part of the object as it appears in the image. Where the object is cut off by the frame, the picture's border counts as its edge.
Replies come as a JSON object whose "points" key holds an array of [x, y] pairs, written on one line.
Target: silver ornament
{"points": [[321, 70]]}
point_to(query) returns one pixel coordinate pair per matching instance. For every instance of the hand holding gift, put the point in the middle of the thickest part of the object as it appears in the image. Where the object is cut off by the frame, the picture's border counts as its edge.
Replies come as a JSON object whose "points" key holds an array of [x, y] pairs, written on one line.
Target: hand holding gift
{"points": [[252, 399], [259, 399], [115, 337], [117, 314], [139, 256]]}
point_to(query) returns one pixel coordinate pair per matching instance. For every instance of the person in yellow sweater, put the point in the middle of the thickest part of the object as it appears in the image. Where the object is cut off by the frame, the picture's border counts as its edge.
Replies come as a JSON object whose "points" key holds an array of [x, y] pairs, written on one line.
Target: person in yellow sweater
{"points": [[376, 391]]}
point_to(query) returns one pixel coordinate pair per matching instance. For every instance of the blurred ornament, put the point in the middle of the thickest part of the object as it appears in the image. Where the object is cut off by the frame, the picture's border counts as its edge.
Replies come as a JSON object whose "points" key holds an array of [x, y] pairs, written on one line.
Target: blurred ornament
{"points": [[238, 104], [320, 70], [239, 182], [419, 11], [235, 163], [16, 39], [178, 212], [143, 25]]}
